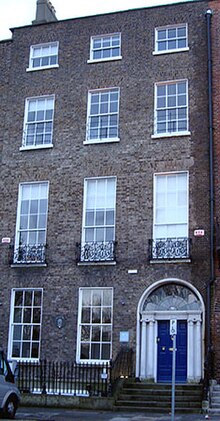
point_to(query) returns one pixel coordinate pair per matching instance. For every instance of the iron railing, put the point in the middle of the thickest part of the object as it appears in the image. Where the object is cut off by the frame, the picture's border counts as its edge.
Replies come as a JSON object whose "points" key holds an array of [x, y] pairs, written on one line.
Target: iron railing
{"points": [[123, 365], [29, 254], [64, 378], [169, 248], [96, 251]]}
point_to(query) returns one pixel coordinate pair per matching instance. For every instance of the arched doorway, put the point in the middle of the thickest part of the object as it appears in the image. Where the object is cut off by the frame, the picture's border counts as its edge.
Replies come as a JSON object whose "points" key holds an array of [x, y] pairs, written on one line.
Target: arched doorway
{"points": [[165, 300]]}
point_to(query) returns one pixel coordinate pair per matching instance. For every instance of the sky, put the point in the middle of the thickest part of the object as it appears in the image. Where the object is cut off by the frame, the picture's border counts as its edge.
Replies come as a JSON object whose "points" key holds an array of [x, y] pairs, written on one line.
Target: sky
{"points": [[15, 13]]}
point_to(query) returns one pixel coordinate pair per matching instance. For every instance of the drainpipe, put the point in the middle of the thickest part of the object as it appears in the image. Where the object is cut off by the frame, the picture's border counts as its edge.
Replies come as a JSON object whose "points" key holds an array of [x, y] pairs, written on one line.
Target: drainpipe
{"points": [[211, 181]]}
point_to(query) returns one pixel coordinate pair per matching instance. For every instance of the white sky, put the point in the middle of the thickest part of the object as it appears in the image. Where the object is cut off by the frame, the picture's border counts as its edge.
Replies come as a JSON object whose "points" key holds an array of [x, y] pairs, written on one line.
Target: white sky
{"points": [[15, 13]]}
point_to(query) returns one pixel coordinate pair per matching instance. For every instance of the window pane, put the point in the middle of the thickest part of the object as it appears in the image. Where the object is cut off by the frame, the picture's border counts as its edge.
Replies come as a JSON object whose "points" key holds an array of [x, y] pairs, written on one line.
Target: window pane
{"points": [[36, 315], [84, 354], [17, 315], [26, 350], [106, 348], [96, 334], [85, 333], [17, 333], [85, 315], [96, 315], [16, 349], [96, 298], [95, 351], [35, 350], [106, 315]]}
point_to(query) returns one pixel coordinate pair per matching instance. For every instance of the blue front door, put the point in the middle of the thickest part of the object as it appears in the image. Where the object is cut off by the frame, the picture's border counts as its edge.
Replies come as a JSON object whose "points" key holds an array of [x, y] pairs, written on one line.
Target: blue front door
{"points": [[164, 352]]}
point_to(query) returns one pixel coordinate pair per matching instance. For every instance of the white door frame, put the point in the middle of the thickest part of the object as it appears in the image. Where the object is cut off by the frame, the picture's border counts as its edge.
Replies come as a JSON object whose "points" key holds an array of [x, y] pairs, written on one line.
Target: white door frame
{"points": [[147, 329]]}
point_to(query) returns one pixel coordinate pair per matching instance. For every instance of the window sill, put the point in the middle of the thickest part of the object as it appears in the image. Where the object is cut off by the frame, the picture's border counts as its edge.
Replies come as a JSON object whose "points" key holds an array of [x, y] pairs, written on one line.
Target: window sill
{"points": [[101, 60], [28, 265], [177, 50], [80, 361], [106, 263], [164, 261], [34, 69], [32, 148], [175, 134], [97, 141]]}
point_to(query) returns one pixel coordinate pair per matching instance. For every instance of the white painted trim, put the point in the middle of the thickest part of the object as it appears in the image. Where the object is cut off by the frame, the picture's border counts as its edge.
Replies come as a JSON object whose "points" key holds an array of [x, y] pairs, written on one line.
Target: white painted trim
{"points": [[154, 197], [27, 100], [78, 359], [168, 134], [32, 148], [162, 315], [86, 180], [179, 50], [19, 208], [45, 44], [104, 59], [91, 60], [98, 141], [33, 69], [166, 27], [9, 353], [173, 134]]}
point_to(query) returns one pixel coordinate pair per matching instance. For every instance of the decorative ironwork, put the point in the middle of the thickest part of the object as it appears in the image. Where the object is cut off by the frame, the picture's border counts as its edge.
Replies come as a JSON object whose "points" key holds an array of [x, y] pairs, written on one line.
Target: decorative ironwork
{"points": [[64, 378], [96, 251], [169, 248], [29, 254]]}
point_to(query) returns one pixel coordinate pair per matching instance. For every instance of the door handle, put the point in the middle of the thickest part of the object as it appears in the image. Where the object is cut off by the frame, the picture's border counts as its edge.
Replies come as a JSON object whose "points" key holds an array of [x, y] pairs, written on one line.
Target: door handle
{"points": [[163, 348]]}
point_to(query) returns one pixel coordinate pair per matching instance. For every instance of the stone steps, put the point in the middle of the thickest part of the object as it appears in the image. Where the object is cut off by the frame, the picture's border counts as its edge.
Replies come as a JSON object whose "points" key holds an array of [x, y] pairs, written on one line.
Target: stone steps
{"points": [[157, 397], [215, 400]]}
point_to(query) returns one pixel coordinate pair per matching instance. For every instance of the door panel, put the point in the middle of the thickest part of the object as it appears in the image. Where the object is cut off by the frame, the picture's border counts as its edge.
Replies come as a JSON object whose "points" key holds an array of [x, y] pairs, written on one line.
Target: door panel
{"points": [[165, 354]]}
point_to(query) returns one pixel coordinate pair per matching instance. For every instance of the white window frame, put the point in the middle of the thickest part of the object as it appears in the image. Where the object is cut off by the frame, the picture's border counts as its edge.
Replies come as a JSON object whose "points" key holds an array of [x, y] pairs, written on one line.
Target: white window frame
{"points": [[166, 109], [41, 56], [85, 202], [25, 146], [110, 58], [167, 174], [102, 115], [80, 323], [17, 233], [22, 323], [173, 50]]}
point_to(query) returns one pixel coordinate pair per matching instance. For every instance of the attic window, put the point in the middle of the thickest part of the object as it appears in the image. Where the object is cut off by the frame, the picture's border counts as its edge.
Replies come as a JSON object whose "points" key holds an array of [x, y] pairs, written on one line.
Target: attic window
{"points": [[43, 56]]}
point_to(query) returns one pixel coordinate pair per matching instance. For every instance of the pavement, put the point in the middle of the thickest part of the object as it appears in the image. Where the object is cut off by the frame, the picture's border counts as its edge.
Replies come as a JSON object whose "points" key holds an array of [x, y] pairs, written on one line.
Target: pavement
{"points": [[56, 414]]}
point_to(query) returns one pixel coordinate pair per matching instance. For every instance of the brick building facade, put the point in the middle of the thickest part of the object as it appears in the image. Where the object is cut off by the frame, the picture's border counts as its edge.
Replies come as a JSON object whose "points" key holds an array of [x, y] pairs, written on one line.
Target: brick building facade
{"points": [[215, 42], [105, 160]]}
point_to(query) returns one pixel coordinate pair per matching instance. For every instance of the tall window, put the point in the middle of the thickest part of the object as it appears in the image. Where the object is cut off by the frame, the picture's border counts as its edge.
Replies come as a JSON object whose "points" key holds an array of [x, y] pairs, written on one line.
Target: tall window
{"points": [[105, 47], [31, 223], [171, 107], [43, 56], [95, 324], [38, 122], [103, 115], [25, 326], [99, 219], [171, 214], [171, 38]]}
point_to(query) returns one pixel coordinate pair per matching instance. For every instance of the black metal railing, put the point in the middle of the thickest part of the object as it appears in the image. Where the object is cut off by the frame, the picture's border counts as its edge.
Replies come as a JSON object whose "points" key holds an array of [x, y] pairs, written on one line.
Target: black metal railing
{"points": [[169, 248], [123, 365], [29, 254], [64, 378], [96, 251]]}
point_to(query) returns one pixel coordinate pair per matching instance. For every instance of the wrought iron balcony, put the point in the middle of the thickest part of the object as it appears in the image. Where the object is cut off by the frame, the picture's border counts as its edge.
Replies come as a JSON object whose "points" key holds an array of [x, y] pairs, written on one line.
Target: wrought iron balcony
{"points": [[96, 251], [169, 249], [29, 254]]}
